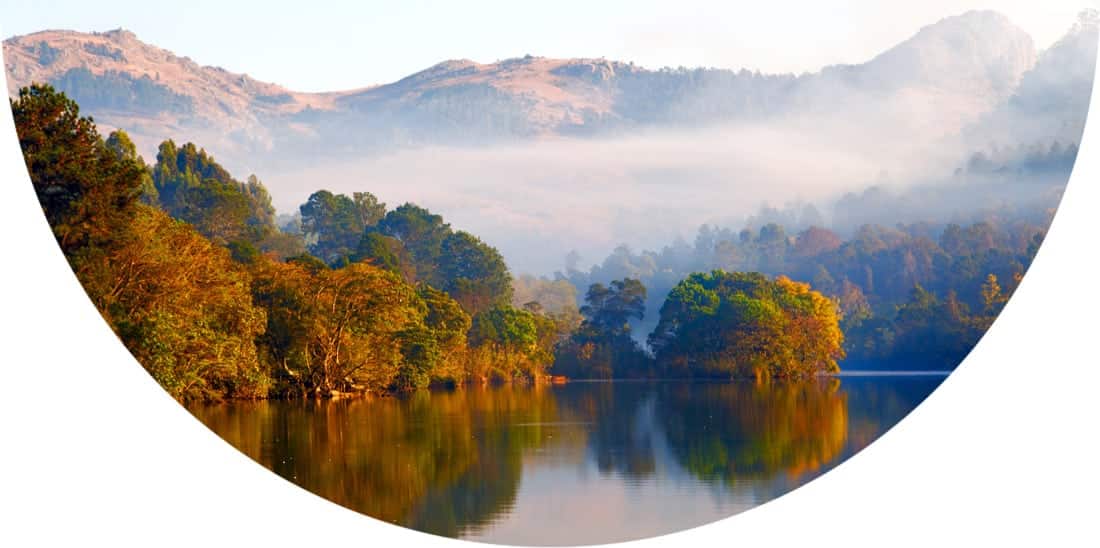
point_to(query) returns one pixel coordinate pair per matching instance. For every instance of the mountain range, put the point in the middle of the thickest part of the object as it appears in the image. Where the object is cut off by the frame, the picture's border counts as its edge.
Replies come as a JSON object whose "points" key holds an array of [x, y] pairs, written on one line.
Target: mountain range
{"points": [[949, 75]]}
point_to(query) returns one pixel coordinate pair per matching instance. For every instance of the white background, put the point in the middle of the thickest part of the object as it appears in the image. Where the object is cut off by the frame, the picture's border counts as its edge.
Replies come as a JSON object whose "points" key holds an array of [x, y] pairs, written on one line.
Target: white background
{"points": [[92, 452]]}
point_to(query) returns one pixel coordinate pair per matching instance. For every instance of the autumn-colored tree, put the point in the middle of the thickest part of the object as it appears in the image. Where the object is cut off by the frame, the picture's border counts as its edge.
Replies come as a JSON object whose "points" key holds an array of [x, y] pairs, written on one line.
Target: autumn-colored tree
{"points": [[182, 307], [505, 345], [177, 302], [343, 330], [738, 324], [814, 241], [448, 325], [992, 298]]}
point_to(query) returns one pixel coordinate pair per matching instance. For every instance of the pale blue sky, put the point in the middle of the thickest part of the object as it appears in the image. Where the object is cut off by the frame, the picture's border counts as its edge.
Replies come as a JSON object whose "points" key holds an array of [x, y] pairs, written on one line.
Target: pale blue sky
{"points": [[330, 45]]}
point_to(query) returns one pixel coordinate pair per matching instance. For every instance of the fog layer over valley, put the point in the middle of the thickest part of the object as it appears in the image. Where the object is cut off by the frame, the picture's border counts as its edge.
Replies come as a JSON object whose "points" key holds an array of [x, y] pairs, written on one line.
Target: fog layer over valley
{"points": [[541, 157], [944, 147], [538, 201]]}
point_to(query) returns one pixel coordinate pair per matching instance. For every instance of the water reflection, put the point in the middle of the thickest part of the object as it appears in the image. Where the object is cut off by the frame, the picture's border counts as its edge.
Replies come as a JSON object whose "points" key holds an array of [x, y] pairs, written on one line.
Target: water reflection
{"points": [[580, 463]]}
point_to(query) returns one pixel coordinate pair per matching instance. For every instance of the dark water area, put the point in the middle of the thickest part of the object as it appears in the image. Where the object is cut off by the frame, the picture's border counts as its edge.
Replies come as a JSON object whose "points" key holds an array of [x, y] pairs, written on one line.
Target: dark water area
{"points": [[580, 463]]}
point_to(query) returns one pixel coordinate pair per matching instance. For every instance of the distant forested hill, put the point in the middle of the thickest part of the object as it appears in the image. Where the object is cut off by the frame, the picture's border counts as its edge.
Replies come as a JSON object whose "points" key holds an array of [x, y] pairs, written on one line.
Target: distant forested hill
{"points": [[961, 68]]}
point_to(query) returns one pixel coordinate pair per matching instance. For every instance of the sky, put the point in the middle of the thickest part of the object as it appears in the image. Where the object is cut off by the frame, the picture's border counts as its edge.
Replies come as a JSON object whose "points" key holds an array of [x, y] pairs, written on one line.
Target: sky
{"points": [[329, 45]]}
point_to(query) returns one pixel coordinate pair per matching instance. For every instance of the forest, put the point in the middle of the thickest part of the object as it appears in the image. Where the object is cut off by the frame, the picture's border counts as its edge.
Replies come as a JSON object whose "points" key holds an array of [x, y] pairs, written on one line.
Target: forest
{"points": [[217, 298], [912, 296]]}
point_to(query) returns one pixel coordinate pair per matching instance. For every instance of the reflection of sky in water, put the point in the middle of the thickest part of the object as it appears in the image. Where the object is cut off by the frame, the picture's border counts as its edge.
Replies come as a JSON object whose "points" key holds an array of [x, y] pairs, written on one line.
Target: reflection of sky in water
{"points": [[562, 489], [558, 493], [582, 463]]}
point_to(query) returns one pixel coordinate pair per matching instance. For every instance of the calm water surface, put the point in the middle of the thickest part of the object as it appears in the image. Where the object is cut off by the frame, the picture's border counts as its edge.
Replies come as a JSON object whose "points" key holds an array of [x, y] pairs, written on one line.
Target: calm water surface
{"points": [[581, 463]]}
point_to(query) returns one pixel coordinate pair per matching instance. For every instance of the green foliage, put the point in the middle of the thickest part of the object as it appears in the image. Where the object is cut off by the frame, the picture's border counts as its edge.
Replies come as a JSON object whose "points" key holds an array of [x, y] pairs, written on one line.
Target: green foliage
{"points": [[190, 185], [382, 251], [473, 273], [743, 324], [86, 190], [448, 325], [120, 143], [507, 327], [610, 308], [198, 294], [333, 223], [421, 354], [243, 252], [418, 244], [870, 274], [925, 318], [508, 343], [602, 346], [421, 233], [182, 308], [370, 210]]}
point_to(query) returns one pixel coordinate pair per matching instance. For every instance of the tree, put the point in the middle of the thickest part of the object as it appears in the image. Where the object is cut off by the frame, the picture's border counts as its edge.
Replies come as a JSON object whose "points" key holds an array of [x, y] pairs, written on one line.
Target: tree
{"points": [[124, 148], [992, 299], [611, 308], [505, 343], [448, 324], [217, 210], [932, 331], [193, 187], [743, 324], [420, 354], [344, 330], [385, 252], [86, 189], [601, 346], [772, 246], [332, 225], [370, 210], [473, 273], [178, 303], [182, 307], [420, 232], [814, 241]]}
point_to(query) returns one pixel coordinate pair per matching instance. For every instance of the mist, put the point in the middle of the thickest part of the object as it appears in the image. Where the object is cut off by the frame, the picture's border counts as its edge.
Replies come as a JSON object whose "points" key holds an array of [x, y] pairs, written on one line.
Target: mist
{"points": [[538, 201], [932, 147]]}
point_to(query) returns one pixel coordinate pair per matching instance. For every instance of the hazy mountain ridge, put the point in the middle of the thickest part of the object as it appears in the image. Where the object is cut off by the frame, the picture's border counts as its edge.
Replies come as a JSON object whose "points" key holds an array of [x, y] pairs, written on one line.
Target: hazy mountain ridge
{"points": [[592, 153], [1050, 99], [152, 92], [957, 69]]}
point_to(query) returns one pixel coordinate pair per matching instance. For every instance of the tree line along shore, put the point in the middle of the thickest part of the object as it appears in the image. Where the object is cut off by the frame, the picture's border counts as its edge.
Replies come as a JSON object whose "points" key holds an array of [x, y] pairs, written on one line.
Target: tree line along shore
{"points": [[219, 300]]}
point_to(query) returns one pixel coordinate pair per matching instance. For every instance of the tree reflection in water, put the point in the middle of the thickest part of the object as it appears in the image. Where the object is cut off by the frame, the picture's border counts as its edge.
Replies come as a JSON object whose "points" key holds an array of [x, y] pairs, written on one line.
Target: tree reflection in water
{"points": [[452, 462]]}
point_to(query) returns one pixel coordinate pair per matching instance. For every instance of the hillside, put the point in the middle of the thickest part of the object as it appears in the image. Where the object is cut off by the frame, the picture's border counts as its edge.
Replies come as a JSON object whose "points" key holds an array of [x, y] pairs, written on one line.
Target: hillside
{"points": [[949, 74]]}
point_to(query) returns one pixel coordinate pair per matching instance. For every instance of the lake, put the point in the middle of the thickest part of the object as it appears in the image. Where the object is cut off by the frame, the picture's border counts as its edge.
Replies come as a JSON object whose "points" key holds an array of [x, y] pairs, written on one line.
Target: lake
{"points": [[580, 463]]}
